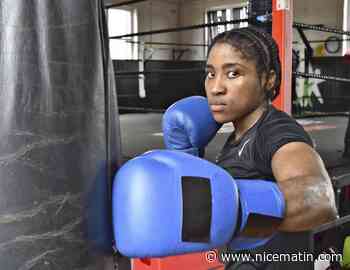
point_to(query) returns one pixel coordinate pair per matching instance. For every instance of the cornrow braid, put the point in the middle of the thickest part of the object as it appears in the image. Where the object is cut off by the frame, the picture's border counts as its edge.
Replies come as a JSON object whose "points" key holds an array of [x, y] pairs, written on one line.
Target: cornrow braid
{"points": [[275, 60], [255, 44], [264, 50]]}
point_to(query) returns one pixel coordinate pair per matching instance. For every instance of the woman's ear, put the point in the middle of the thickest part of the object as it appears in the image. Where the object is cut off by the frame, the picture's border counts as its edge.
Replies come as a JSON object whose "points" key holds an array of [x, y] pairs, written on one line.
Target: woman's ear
{"points": [[270, 85], [271, 80]]}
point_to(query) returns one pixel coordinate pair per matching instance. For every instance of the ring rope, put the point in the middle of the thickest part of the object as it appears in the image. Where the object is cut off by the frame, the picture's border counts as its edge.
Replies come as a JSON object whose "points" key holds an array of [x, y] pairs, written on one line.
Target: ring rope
{"points": [[322, 77], [320, 28]]}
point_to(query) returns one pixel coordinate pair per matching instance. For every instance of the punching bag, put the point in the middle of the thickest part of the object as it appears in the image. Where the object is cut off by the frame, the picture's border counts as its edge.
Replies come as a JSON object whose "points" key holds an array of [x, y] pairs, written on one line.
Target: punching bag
{"points": [[59, 135]]}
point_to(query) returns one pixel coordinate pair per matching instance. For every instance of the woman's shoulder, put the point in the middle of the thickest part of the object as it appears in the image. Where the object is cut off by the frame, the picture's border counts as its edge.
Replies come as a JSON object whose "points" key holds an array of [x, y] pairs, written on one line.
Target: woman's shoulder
{"points": [[277, 118], [280, 126]]}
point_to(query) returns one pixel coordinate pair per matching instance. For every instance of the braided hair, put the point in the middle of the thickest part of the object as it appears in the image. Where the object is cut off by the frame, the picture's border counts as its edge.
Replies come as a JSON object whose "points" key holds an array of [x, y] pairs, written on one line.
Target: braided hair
{"points": [[257, 45]]}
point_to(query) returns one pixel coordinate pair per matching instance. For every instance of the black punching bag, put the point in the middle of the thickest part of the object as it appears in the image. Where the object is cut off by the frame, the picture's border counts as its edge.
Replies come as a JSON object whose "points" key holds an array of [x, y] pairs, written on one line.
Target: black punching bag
{"points": [[59, 135]]}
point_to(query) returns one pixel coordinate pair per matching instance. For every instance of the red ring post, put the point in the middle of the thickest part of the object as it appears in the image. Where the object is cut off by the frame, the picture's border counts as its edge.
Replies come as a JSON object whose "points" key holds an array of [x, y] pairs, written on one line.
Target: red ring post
{"points": [[282, 31]]}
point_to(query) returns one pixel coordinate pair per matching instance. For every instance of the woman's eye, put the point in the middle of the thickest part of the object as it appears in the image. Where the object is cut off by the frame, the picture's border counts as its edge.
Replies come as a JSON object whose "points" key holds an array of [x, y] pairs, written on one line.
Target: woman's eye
{"points": [[232, 74], [210, 75]]}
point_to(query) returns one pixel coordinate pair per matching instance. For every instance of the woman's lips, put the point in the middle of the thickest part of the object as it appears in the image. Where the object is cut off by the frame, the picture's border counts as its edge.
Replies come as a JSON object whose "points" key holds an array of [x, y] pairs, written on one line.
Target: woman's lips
{"points": [[217, 107]]}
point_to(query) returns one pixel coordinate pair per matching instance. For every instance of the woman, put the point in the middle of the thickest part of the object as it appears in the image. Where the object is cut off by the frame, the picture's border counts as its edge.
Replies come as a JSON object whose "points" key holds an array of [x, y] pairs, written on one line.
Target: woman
{"points": [[243, 77]]}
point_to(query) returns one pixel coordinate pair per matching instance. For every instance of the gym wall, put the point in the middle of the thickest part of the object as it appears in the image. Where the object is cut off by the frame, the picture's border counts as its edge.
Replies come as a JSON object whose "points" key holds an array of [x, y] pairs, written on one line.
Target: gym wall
{"points": [[154, 15], [329, 13], [194, 12], [158, 14]]}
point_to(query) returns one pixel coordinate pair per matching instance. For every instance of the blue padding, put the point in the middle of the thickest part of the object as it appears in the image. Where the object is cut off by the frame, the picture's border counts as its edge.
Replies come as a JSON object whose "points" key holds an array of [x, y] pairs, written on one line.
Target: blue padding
{"points": [[147, 204]]}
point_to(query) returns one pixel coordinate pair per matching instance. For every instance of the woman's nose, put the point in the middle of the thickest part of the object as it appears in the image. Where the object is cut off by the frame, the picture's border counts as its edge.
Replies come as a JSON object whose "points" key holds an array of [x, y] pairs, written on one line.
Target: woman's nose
{"points": [[217, 87]]}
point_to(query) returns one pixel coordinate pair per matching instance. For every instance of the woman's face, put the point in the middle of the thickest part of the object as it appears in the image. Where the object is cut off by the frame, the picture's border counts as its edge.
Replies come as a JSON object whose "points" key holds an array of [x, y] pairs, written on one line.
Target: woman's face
{"points": [[232, 85]]}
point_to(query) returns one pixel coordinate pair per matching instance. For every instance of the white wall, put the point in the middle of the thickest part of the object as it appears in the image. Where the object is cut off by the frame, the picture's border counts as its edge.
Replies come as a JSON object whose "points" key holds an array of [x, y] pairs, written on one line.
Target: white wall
{"points": [[329, 13], [155, 15], [346, 26], [193, 12]]}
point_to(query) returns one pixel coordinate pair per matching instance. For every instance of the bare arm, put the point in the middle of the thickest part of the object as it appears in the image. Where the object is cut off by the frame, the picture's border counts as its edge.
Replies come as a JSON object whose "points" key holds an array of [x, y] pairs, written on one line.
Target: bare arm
{"points": [[307, 189], [305, 184]]}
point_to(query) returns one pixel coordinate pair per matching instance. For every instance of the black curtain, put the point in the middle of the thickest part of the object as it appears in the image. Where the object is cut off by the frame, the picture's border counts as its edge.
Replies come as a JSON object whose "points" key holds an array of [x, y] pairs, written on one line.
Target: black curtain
{"points": [[59, 135]]}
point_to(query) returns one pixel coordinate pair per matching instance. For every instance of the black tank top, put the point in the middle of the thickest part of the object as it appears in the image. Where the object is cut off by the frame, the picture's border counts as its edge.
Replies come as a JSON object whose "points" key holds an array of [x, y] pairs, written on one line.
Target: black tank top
{"points": [[250, 156]]}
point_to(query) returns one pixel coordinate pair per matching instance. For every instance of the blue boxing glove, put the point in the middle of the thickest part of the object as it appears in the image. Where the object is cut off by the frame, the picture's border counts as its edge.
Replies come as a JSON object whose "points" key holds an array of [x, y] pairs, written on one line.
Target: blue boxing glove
{"points": [[188, 125], [168, 203]]}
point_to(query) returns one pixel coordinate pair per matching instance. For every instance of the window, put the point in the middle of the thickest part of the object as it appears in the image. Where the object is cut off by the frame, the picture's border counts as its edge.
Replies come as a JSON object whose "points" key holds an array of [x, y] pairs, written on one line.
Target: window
{"points": [[121, 22], [346, 27], [227, 14]]}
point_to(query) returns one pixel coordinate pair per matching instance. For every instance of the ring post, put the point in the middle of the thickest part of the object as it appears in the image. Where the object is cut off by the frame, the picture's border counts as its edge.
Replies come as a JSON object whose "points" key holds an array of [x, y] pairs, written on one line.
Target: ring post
{"points": [[282, 31]]}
